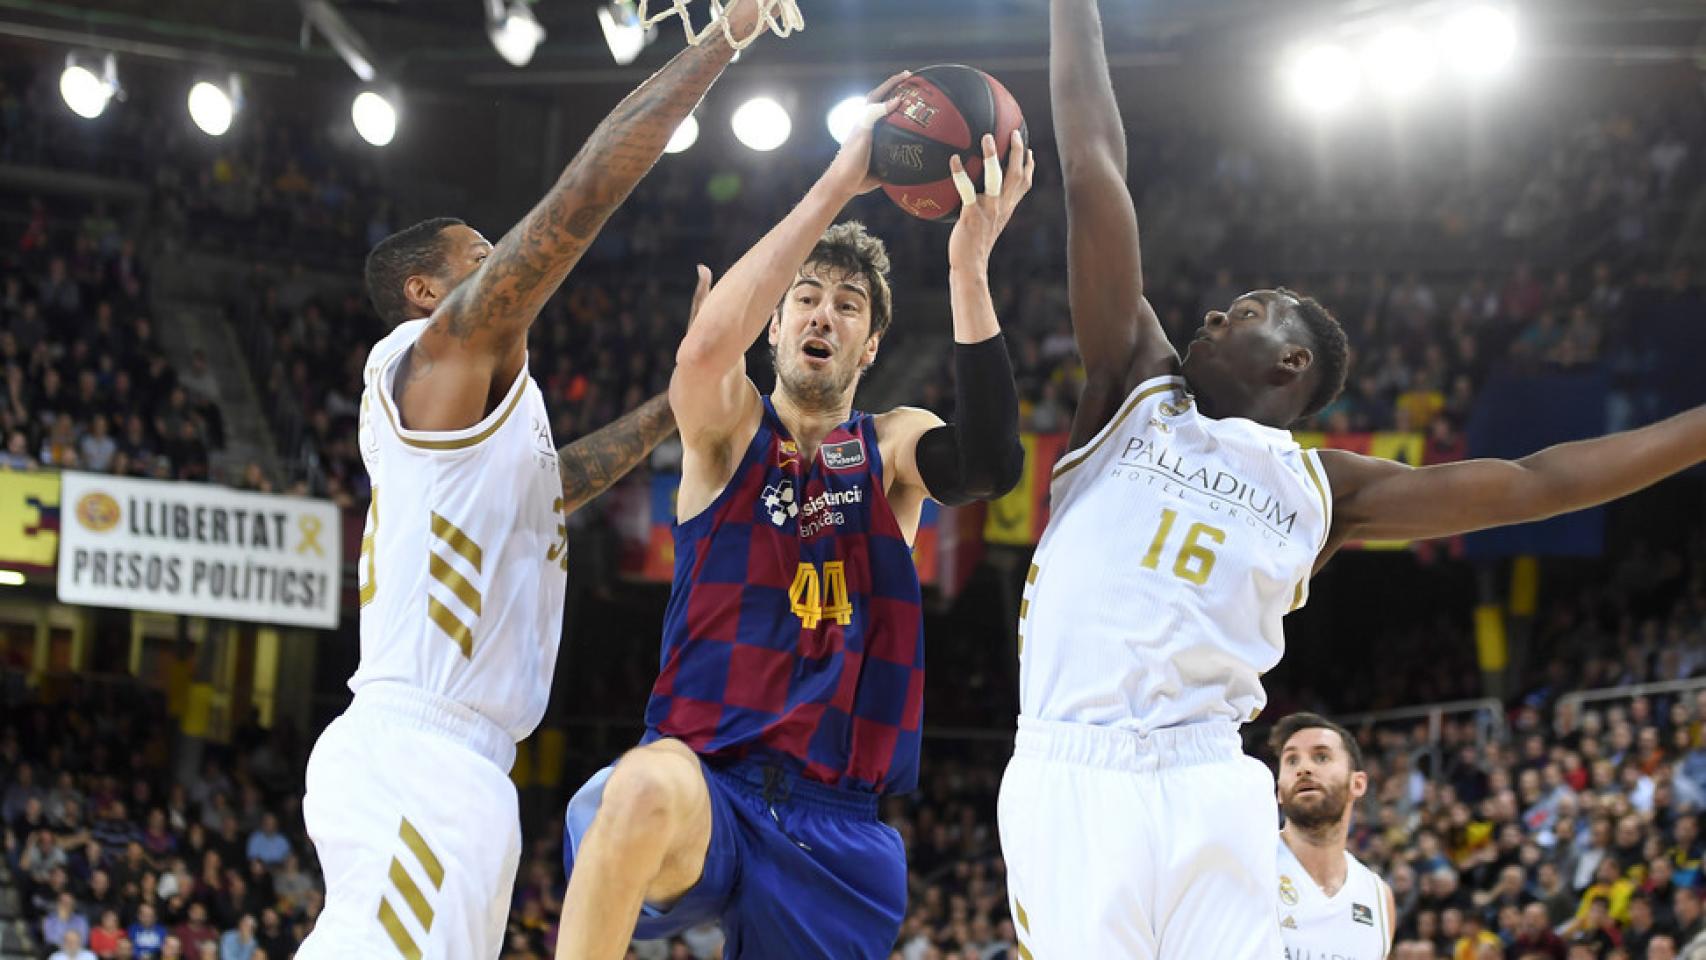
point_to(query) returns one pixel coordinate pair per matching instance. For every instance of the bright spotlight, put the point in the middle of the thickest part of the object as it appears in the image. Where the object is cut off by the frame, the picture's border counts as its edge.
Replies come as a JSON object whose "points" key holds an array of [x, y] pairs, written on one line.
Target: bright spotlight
{"points": [[1322, 78], [1481, 41], [514, 30], [1399, 62], [624, 33], [375, 118], [761, 124], [85, 92], [684, 136], [843, 116], [212, 107]]}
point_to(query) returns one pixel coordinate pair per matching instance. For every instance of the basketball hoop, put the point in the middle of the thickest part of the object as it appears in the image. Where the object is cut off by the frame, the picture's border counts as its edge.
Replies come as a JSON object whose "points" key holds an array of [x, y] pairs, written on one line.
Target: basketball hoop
{"points": [[781, 17]]}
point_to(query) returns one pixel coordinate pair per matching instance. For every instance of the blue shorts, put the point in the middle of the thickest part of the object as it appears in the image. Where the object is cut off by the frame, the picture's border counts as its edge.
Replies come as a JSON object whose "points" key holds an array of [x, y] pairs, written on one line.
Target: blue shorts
{"points": [[795, 869]]}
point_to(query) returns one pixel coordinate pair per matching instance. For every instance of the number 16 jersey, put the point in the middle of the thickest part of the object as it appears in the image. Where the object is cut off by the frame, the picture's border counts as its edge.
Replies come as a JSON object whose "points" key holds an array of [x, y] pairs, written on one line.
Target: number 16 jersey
{"points": [[1175, 545]]}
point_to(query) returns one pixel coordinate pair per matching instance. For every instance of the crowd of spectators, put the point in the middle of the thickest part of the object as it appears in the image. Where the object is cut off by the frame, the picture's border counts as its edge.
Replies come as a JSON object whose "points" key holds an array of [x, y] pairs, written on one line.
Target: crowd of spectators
{"points": [[111, 856], [1574, 836], [1552, 830], [86, 384]]}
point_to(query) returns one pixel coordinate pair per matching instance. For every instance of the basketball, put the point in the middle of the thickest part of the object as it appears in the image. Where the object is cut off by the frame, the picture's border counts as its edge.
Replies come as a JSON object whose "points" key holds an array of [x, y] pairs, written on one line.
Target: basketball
{"points": [[944, 110]]}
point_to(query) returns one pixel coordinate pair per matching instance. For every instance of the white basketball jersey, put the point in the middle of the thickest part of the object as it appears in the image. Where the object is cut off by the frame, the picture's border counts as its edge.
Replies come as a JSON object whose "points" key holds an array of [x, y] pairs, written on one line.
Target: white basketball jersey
{"points": [[1175, 545], [1350, 925], [463, 562]]}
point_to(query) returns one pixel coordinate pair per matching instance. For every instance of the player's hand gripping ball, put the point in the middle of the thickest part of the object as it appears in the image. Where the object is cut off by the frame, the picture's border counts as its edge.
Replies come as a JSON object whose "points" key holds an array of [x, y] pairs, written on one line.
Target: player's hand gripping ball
{"points": [[944, 111]]}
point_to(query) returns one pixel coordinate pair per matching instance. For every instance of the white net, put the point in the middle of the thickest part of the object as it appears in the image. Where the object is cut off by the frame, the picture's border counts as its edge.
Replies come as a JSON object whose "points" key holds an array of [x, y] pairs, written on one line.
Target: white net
{"points": [[781, 17]]}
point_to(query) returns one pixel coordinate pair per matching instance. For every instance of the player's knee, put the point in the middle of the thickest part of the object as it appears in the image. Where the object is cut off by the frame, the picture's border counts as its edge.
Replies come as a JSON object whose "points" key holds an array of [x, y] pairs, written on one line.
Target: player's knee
{"points": [[648, 791]]}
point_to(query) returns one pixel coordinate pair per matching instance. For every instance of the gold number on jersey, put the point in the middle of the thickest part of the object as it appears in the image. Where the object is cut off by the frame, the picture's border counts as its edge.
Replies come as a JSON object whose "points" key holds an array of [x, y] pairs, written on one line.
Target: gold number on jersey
{"points": [[364, 568], [1194, 561], [811, 602], [558, 552]]}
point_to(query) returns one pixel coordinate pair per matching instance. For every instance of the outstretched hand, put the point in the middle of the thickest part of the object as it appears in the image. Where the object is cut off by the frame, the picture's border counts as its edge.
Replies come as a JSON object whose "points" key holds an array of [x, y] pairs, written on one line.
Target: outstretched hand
{"points": [[851, 170], [984, 215]]}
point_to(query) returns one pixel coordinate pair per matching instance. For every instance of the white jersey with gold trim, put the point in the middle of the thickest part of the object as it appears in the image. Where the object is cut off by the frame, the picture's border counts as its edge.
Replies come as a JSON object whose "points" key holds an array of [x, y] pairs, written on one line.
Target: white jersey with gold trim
{"points": [[1353, 924], [463, 564], [1175, 546]]}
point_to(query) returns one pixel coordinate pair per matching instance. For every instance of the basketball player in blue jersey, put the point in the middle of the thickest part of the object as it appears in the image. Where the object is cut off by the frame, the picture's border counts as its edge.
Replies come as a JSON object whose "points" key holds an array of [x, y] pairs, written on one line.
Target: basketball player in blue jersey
{"points": [[791, 691], [463, 567], [1185, 523]]}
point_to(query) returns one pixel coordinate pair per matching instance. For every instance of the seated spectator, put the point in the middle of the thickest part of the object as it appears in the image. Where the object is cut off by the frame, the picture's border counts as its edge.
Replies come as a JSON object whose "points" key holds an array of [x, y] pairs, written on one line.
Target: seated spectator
{"points": [[275, 938], [195, 930], [71, 948], [147, 937], [65, 918], [267, 844], [239, 943], [103, 940]]}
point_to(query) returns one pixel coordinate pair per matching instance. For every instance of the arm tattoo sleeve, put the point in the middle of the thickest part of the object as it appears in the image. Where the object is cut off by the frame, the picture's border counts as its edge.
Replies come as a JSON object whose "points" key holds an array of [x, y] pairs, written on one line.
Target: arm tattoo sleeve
{"points": [[592, 464]]}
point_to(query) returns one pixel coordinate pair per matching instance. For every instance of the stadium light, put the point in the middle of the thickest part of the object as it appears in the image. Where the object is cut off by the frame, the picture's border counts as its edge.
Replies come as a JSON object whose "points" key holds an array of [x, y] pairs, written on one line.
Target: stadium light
{"points": [[1322, 78], [761, 124], [624, 34], [843, 116], [1481, 41], [514, 30], [212, 107], [375, 118], [86, 92], [684, 136], [1399, 62]]}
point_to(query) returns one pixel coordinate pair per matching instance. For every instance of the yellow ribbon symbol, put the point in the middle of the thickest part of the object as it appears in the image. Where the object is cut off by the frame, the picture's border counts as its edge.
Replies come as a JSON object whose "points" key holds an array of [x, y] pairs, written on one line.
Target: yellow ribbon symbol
{"points": [[310, 525]]}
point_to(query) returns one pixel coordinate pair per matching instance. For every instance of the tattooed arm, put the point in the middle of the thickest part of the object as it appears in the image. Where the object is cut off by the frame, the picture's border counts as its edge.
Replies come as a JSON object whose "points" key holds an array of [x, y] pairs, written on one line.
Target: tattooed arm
{"points": [[592, 464], [476, 342]]}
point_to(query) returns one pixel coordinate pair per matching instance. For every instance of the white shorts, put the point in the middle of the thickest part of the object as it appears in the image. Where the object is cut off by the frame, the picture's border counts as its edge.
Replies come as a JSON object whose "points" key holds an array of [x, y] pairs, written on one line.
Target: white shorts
{"points": [[413, 815], [1157, 847]]}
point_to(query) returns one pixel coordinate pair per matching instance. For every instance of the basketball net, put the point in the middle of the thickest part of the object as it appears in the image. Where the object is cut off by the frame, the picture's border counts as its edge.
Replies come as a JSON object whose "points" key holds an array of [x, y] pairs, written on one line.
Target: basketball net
{"points": [[781, 17]]}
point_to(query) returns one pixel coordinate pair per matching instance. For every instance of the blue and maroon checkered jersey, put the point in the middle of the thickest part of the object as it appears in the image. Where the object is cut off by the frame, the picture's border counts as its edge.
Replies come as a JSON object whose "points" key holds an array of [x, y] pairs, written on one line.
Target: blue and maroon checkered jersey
{"points": [[795, 629]]}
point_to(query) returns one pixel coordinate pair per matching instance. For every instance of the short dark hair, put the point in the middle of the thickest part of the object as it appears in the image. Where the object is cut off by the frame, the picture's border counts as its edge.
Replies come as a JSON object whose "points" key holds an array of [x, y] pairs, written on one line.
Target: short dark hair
{"points": [[1289, 727], [413, 251], [854, 251], [1327, 341]]}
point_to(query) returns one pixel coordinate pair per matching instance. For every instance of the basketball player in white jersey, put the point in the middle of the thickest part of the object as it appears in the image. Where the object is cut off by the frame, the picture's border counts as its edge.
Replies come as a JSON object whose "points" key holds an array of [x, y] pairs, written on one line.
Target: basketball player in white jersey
{"points": [[463, 563], [1331, 907], [1185, 524]]}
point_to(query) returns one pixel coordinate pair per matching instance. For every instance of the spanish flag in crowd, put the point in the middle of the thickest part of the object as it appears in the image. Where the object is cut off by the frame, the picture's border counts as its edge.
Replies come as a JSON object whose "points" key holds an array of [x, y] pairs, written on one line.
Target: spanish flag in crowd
{"points": [[1017, 520]]}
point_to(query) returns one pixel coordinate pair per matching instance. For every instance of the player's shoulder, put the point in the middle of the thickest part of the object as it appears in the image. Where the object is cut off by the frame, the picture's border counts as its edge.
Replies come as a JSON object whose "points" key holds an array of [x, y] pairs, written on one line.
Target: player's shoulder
{"points": [[902, 420], [901, 427], [1348, 472], [399, 337]]}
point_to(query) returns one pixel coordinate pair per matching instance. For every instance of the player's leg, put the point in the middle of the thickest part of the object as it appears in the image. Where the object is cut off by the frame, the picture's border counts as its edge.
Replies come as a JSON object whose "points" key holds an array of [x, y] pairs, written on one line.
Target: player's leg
{"points": [[1220, 861], [419, 839], [1078, 845], [822, 875], [646, 845]]}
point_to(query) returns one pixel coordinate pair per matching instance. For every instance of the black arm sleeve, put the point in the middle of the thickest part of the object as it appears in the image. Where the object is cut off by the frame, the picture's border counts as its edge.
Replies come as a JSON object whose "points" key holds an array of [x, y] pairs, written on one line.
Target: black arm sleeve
{"points": [[978, 456]]}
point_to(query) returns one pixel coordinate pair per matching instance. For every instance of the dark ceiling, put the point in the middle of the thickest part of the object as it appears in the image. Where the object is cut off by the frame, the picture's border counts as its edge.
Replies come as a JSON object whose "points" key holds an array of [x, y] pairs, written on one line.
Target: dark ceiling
{"points": [[442, 42]]}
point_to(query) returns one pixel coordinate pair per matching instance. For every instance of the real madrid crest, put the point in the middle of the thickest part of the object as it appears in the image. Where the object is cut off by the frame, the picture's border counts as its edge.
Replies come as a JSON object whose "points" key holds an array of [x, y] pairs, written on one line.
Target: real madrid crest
{"points": [[1288, 892], [1175, 409]]}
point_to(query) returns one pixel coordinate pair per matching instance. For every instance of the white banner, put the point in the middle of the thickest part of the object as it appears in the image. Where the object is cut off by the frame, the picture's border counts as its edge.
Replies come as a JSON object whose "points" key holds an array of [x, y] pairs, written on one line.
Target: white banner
{"points": [[199, 549]]}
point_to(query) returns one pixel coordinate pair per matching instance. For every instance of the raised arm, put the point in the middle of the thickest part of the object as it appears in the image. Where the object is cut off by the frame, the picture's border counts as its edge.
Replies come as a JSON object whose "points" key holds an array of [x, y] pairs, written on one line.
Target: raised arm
{"points": [[477, 340], [1119, 336], [709, 390], [1378, 499], [979, 455]]}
